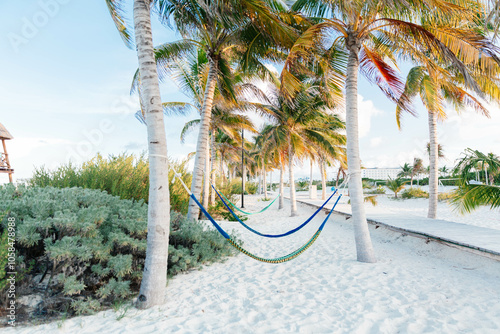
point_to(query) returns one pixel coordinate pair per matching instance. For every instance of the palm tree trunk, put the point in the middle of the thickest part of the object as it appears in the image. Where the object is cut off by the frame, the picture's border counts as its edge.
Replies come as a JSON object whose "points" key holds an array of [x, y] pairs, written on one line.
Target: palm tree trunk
{"points": [[311, 179], [364, 246], [282, 184], [154, 278], [212, 163], [264, 180], [206, 183], [293, 200], [323, 179], [260, 189], [485, 175], [433, 166], [271, 180], [202, 145], [222, 174]]}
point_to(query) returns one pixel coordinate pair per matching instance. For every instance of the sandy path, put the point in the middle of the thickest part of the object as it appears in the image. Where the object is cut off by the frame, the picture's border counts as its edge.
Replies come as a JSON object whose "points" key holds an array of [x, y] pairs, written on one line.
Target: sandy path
{"points": [[414, 288]]}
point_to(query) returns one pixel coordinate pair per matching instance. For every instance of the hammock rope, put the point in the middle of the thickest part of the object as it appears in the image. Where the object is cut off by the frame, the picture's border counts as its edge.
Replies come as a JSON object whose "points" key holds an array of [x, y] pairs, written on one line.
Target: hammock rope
{"points": [[228, 238], [237, 208], [277, 260], [273, 235]]}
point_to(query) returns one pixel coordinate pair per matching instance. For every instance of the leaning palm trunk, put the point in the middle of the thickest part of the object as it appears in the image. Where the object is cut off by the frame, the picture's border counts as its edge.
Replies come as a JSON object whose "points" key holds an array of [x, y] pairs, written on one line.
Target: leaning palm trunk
{"points": [[311, 180], [282, 188], [271, 180], [433, 166], [202, 145], [212, 163], [206, 183], [364, 246], [265, 181], [261, 188], [323, 180], [293, 200], [221, 168], [154, 278]]}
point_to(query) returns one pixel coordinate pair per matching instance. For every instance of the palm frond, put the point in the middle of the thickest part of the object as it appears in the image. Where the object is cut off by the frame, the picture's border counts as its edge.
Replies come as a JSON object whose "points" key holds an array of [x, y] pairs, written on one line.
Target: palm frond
{"points": [[117, 12], [468, 198]]}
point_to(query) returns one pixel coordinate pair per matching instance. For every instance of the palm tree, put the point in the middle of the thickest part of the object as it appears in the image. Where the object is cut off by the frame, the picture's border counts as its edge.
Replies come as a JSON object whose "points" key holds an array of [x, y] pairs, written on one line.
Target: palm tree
{"points": [[395, 185], [227, 149], [440, 152], [444, 171], [191, 76], [468, 197], [406, 170], [434, 86], [367, 34], [303, 126], [342, 170], [273, 142], [472, 159], [416, 169], [229, 31], [154, 279]]}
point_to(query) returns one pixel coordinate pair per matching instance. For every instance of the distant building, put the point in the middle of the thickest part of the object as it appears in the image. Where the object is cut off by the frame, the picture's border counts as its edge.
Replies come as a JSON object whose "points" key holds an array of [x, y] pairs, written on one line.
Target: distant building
{"points": [[380, 173]]}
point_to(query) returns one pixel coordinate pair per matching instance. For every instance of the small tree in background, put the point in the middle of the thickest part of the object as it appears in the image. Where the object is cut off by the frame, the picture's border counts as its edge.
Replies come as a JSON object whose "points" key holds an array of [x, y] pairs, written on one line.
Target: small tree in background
{"points": [[395, 185]]}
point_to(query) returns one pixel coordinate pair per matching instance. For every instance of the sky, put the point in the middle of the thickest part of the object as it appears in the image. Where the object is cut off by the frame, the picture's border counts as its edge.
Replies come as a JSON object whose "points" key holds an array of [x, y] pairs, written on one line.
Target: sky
{"points": [[64, 95]]}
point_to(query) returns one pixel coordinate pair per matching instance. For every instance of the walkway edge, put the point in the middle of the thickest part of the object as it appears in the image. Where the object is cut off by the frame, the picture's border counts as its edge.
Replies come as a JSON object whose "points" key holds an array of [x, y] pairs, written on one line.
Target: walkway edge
{"points": [[445, 241]]}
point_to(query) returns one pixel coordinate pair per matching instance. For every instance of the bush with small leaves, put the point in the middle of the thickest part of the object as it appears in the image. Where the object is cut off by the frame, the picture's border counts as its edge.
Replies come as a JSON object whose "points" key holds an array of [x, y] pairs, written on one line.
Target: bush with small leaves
{"points": [[84, 249], [414, 193]]}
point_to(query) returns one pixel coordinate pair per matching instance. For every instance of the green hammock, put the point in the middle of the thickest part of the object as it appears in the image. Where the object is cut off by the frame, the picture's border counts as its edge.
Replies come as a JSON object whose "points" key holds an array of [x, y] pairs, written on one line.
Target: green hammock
{"points": [[247, 213], [228, 238], [277, 260]]}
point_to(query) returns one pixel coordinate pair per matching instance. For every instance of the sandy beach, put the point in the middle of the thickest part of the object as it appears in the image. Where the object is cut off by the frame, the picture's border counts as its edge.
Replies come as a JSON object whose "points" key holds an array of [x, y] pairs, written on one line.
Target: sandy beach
{"points": [[416, 287]]}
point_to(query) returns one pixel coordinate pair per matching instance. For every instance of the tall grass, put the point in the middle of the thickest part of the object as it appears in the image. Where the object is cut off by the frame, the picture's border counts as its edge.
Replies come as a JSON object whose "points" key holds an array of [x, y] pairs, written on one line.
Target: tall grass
{"points": [[234, 188], [124, 175]]}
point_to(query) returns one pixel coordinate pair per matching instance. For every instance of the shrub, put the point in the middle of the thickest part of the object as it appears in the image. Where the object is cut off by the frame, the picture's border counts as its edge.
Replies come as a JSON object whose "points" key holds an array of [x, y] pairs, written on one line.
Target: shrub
{"points": [[367, 184], [445, 196], [126, 176], [219, 211], [302, 185], [84, 248], [234, 188], [379, 191], [414, 193]]}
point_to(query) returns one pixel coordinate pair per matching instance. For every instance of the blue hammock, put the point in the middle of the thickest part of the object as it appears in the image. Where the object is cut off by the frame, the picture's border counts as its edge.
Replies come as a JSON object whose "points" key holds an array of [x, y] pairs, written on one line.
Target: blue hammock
{"points": [[280, 259], [275, 235]]}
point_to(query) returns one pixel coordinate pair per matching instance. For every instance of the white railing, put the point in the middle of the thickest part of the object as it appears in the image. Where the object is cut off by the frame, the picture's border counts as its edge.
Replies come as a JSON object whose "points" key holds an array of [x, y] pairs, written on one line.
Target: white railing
{"points": [[3, 161]]}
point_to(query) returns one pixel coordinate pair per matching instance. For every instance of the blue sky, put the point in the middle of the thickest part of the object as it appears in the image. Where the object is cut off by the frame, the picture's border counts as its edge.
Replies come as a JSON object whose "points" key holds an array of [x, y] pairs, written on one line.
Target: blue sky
{"points": [[64, 94]]}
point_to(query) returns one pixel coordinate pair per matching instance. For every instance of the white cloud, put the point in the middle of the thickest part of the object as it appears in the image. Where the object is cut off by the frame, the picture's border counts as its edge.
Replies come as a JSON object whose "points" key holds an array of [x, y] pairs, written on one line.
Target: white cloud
{"points": [[375, 142], [366, 110]]}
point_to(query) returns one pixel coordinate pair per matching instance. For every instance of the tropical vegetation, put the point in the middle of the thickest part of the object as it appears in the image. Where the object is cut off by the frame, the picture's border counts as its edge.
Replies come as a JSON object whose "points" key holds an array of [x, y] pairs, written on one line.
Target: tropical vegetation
{"points": [[83, 250], [322, 46]]}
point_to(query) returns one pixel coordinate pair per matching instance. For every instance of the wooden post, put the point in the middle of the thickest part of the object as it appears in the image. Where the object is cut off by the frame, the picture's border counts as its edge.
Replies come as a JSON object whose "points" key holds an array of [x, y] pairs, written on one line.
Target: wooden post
{"points": [[9, 169]]}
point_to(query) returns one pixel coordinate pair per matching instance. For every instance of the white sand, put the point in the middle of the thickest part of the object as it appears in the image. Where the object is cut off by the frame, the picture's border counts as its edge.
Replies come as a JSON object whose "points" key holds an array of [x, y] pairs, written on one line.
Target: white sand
{"points": [[414, 288]]}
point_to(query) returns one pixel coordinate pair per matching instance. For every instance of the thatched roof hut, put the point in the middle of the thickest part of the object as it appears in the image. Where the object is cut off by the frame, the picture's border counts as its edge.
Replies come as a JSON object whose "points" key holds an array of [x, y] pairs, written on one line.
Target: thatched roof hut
{"points": [[4, 134]]}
